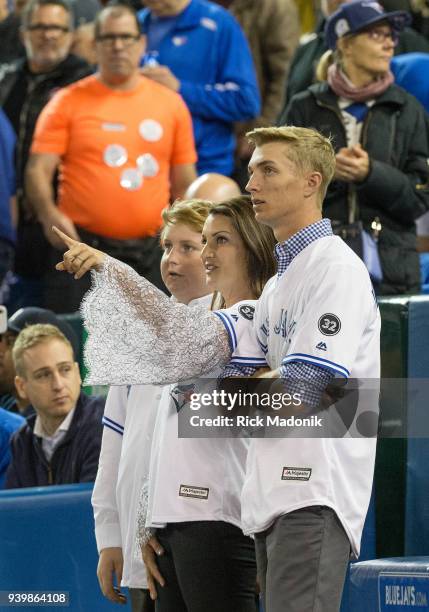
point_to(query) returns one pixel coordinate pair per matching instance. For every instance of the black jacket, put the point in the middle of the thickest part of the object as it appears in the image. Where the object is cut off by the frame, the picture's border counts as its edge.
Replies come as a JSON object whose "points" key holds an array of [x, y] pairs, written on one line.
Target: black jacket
{"points": [[75, 459], [40, 89], [32, 247], [11, 47], [396, 190], [302, 72]]}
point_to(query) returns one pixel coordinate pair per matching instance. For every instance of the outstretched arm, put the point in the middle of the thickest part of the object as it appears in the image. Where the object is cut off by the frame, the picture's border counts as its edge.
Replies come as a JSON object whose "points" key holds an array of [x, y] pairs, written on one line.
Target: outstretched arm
{"points": [[137, 335]]}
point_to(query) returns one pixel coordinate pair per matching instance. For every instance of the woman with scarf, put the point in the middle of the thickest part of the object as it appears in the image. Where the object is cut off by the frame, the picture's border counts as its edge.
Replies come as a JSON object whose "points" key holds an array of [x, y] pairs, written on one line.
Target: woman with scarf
{"points": [[380, 137]]}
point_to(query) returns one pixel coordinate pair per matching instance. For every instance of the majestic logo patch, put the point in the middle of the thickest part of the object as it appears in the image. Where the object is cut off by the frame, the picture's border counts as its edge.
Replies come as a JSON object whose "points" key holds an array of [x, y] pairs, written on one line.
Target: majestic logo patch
{"points": [[247, 311], [329, 324], [195, 492], [296, 473], [322, 346]]}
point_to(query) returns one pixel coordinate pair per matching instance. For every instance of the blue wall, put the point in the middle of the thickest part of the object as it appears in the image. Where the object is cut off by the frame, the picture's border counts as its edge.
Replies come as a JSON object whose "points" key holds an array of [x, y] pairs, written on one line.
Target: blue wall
{"points": [[47, 543]]}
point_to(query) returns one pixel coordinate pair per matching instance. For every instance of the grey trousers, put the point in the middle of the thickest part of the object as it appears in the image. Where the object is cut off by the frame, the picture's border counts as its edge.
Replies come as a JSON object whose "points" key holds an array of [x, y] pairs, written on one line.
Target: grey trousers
{"points": [[302, 561], [141, 601]]}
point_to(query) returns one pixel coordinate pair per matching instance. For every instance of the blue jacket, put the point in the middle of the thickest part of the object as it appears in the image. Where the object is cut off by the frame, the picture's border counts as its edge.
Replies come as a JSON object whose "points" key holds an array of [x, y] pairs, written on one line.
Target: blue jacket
{"points": [[411, 71], [75, 459], [7, 177], [207, 51], [9, 423]]}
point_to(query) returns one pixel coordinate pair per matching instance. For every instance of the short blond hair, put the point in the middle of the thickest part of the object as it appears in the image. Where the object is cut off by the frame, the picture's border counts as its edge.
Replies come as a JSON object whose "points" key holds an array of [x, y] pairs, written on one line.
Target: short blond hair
{"points": [[31, 336], [192, 213], [308, 149]]}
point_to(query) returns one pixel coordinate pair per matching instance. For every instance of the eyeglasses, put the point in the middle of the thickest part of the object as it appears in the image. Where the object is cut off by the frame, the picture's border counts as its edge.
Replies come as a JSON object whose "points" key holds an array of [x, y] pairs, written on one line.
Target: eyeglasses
{"points": [[44, 27], [126, 39], [382, 35]]}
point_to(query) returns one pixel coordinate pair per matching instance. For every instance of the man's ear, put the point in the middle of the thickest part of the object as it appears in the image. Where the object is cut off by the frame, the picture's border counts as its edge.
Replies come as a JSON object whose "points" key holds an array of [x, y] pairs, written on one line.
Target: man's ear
{"points": [[314, 180], [20, 385]]}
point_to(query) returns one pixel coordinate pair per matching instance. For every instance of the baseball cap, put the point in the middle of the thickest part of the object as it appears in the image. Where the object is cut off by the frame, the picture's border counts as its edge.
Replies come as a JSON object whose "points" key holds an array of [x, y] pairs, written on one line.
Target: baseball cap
{"points": [[32, 315], [352, 17]]}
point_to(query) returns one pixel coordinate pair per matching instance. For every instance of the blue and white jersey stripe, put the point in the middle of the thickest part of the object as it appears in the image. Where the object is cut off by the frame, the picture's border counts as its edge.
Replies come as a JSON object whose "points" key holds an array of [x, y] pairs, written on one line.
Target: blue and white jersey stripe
{"points": [[319, 361], [107, 422], [229, 326], [255, 361]]}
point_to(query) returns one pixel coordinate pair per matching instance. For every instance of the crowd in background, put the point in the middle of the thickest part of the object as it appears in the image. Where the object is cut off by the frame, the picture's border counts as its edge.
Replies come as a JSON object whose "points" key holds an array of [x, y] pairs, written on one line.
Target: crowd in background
{"points": [[226, 89]]}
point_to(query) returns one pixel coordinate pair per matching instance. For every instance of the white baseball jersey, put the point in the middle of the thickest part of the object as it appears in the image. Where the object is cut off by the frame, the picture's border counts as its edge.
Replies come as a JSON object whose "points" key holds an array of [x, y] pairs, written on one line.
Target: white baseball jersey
{"points": [[321, 311], [200, 479], [129, 420]]}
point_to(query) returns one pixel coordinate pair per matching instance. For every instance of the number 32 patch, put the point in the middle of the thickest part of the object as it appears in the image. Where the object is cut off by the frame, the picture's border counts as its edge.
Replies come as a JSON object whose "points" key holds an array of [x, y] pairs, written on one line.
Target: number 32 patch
{"points": [[329, 324]]}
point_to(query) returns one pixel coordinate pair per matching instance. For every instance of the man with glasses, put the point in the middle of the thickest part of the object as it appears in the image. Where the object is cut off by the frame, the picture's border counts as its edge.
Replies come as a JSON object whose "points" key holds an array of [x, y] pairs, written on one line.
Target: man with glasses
{"points": [[26, 85], [125, 146]]}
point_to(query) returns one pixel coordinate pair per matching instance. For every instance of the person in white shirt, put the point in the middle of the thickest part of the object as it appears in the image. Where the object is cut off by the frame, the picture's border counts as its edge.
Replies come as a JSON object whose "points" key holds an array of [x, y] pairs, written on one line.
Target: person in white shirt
{"points": [[306, 499], [129, 422], [195, 484]]}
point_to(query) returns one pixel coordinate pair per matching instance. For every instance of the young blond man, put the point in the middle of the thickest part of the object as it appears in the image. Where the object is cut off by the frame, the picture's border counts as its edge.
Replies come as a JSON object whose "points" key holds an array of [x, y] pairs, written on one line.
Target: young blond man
{"points": [[305, 498], [60, 444]]}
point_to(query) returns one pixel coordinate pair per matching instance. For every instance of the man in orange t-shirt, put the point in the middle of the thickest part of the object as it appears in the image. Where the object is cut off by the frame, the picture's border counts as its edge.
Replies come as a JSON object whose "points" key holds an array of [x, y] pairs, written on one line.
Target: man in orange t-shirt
{"points": [[123, 145]]}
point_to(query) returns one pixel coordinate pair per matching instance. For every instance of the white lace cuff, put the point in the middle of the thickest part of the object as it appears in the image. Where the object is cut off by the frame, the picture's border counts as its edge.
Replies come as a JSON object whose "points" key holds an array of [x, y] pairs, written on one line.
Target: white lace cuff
{"points": [[137, 335]]}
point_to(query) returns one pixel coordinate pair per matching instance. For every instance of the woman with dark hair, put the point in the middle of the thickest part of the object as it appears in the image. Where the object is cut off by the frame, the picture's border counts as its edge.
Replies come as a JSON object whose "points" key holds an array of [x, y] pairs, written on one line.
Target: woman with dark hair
{"points": [[380, 137], [192, 496], [257, 242], [136, 332]]}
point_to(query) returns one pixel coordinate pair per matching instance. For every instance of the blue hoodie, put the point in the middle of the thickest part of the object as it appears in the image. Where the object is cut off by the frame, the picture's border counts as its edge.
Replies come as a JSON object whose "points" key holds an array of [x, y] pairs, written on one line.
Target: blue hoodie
{"points": [[7, 177], [207, 51]]}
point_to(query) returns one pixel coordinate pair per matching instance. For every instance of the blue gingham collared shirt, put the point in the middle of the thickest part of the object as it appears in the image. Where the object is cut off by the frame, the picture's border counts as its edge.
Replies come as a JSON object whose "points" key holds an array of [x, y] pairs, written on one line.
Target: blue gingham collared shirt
{"points": [[287, 251], [308, 380]]}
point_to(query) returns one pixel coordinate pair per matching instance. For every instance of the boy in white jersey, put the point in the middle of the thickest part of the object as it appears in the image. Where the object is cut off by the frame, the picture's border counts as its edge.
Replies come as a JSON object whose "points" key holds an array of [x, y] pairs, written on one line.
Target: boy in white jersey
{"points": [[316, 320]]}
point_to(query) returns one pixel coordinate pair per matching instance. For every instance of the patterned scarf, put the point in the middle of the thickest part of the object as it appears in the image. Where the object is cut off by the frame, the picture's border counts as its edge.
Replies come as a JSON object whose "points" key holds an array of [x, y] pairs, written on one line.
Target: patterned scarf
{"points": [[344, 88]]}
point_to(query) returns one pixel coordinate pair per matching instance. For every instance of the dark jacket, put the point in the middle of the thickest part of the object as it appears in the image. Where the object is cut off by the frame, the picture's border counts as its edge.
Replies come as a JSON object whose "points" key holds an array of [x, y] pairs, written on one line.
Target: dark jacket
{"points": [[75, 459], [32, 247], [11, 47], [396, 190], [302, 71]]}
